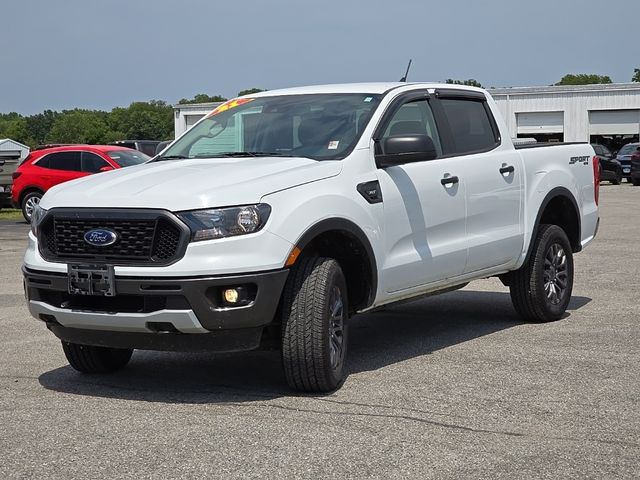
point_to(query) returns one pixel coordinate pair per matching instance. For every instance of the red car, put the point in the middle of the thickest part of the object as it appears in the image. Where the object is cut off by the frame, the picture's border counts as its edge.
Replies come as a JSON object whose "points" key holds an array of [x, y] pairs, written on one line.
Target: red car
{"points": [[48, 167]]}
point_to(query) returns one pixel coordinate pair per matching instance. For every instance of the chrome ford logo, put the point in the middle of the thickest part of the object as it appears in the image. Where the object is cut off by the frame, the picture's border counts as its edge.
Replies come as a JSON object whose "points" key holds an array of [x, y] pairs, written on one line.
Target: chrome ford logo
{"points": [[100, 237]]}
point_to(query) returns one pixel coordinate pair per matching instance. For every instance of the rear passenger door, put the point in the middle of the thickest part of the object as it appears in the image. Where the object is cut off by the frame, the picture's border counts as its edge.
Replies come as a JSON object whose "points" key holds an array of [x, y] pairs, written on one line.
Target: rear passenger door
{"points": [[62, 167], [493, 180]]}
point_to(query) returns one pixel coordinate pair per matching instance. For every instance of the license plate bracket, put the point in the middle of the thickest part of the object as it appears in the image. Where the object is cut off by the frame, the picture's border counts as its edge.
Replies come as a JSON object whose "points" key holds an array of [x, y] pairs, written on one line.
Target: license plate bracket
{"points": [[97, 280]]}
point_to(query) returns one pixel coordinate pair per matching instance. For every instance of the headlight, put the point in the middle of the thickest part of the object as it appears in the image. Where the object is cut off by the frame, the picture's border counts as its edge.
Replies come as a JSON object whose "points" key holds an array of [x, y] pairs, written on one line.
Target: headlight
{"points": [[225, 222], [36, 218]]}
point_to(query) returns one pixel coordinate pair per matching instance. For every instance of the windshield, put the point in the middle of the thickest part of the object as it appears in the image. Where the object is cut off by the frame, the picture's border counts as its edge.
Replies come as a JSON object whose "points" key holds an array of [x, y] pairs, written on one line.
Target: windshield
{"points": [[628, 148], [128, 158], [318, 126]]}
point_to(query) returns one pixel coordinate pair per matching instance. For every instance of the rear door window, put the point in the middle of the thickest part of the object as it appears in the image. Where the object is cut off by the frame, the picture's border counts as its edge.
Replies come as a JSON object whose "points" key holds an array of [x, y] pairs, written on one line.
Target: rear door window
{"points": [[471, 124], [69, 161]]}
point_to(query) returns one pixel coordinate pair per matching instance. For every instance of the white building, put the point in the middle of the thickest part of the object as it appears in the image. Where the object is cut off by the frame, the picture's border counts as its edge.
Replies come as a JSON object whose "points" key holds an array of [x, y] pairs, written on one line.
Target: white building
{"points": [[186, 115], [608, 114]]}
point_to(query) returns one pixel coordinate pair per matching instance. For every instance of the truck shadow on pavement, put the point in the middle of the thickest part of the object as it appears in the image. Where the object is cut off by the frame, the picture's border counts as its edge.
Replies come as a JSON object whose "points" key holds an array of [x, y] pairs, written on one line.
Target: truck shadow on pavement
{"points": [[377, 339]]}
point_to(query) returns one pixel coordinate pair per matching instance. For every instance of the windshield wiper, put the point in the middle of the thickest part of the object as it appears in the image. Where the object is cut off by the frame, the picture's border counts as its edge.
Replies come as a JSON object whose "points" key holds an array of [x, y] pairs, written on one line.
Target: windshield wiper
{"points": [[171, 157], [240, 154]]}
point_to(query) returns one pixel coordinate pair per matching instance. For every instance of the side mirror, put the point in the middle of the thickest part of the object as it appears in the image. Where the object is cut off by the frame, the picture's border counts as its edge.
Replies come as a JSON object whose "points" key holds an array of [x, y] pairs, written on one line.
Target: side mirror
{"points": [[106, 168], [400, 149]]}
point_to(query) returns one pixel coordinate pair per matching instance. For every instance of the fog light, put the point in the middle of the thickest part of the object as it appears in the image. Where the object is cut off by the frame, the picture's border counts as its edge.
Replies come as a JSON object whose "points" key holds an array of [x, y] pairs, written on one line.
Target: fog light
{"points": [[231, 295]]}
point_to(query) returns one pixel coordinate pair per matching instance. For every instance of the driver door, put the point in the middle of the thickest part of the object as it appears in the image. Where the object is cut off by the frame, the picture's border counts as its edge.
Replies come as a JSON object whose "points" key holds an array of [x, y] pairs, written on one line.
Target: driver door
{"points": [[424, 210]]}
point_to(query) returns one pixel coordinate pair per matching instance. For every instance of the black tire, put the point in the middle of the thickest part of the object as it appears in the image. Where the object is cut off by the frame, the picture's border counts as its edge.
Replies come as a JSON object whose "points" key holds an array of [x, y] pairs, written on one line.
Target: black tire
{"points": [[29, 200], [90, 359], [617, 180], [629, 180], [314, 342], [536, 288], [636, 182]]}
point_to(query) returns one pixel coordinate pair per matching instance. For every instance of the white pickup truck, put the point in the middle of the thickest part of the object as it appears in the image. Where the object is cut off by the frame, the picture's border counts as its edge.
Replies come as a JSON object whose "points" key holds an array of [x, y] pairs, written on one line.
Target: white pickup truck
{"points": [[282, 214]]}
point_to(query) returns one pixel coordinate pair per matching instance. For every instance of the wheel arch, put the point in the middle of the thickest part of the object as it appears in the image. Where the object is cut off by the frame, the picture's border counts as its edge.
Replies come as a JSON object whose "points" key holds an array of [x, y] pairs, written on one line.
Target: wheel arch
{"points": [[559, 207], [27, 190], [347, 243]]}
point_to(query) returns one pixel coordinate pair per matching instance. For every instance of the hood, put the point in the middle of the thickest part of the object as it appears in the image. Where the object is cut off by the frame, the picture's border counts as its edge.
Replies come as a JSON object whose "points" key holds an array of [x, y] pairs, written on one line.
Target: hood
{"points": [[190, 184]]}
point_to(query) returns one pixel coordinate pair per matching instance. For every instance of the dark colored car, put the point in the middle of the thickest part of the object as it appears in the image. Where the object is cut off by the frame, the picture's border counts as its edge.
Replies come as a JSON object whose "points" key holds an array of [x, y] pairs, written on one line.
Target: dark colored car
{"points": [[624, 157], [635, 166], [47, 167], [148, 147], [610, 168]]}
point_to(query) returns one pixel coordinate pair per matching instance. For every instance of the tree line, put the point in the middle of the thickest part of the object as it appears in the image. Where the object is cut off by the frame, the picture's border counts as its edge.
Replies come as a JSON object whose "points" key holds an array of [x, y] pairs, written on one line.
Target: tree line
{"points": [[152, 120]]}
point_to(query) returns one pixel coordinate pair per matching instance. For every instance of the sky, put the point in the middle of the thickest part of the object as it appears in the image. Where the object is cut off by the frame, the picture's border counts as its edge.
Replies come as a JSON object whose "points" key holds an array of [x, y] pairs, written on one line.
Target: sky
{"points": [[105, 53]]}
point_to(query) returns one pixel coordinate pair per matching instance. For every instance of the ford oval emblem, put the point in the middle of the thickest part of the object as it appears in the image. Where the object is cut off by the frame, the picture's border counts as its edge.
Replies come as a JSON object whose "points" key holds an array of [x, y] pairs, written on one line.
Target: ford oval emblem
{"points": [[100, 237]]}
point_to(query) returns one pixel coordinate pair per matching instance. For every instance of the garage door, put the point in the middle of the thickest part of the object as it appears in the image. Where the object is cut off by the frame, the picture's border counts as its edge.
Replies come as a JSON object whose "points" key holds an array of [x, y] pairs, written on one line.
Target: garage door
{"points": [[614, 122], [540, 122], [191, 120]]}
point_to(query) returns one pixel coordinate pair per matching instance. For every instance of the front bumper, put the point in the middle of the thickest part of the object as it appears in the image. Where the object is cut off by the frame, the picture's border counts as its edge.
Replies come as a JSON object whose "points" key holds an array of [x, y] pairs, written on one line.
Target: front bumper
{"points": [[158, 313]]}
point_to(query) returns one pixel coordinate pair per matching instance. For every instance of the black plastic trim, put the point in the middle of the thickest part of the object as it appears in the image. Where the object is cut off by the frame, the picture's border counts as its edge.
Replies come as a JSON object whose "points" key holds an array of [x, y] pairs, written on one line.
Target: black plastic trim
{"points": [[350, 227], [370, 191], [201, 294], [459, 93], [116, 214], [224, 341], [556, 192]]}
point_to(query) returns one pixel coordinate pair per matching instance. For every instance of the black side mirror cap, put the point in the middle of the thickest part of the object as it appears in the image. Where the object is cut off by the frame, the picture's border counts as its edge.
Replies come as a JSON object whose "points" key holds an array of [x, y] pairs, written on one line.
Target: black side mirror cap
{"points": [[400, 149]]}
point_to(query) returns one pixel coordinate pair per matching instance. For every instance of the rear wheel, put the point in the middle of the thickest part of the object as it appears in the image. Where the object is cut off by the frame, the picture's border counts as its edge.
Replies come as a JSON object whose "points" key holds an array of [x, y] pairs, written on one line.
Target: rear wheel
{"points": [[314, 325], [541, 288], [90, 359], [29, 203], [636, 181]]}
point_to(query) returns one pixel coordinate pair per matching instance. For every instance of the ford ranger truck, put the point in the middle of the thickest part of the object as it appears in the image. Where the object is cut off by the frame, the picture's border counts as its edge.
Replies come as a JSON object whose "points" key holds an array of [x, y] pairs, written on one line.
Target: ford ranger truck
{"points": [[282, 214]]}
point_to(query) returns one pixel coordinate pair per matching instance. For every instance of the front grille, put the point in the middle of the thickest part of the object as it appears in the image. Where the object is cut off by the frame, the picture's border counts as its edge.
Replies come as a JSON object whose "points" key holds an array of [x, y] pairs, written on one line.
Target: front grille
{"points": [[145, 238]]}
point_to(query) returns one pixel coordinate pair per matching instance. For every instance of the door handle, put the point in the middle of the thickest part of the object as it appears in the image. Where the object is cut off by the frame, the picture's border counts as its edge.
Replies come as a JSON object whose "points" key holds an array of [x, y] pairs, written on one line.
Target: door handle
{"points": [[449, 180], [505, 169]]}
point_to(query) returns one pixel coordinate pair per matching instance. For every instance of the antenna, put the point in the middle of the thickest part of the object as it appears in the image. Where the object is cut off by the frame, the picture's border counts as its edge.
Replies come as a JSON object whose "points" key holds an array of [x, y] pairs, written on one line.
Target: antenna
{"points": [[404, 79]]}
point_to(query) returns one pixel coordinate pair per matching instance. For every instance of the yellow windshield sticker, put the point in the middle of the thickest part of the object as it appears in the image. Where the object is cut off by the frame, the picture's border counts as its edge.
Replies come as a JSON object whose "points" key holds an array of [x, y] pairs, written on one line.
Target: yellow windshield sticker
{"points": [[236, 102]]}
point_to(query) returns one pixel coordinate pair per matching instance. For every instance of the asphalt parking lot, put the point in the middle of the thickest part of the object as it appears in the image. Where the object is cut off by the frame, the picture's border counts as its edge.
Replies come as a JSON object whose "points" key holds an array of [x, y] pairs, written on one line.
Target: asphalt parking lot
{"points": [[446, 387]]}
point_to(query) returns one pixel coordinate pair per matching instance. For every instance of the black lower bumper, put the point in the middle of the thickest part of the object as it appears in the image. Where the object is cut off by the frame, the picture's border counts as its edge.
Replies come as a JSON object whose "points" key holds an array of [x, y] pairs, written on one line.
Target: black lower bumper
{"points": [[232, 327], [224, 341]]}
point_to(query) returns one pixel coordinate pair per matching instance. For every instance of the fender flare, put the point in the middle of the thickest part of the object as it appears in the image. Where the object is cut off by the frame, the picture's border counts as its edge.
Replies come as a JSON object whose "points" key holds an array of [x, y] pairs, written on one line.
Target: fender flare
{"points": [[554, 193], [348, 226]]}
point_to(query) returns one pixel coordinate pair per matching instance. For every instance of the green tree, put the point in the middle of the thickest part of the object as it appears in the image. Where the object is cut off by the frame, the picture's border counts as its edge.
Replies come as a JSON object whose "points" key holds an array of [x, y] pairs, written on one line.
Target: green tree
{"points": [[471, 82], [584, 79], [151, 120], [636, 75], [40, 125], [202, 98], [81, 126], [249, 91], [14, 126]]}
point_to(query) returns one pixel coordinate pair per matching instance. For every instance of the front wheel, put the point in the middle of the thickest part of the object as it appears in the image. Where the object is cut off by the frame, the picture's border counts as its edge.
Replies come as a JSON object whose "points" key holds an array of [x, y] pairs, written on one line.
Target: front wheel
{"points": [[541, 288], [29, 204], [314, 325], [90, 359]]}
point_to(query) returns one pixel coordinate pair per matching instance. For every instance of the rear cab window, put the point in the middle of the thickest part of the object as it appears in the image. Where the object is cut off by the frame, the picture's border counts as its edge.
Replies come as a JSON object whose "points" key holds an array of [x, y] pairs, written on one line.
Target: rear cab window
{"points": [[471, 124]]}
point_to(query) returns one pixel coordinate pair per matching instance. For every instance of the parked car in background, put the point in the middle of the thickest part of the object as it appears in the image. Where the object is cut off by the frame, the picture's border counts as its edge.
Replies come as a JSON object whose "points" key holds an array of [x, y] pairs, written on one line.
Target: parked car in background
{"points": [[610, 168], [49, 167], [624, 157], [162, 145], [147, 147], [635, 166]]}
